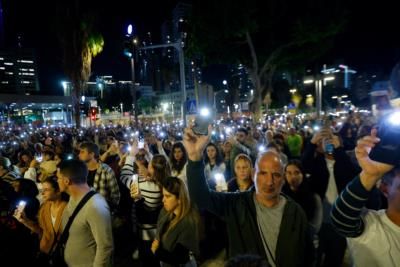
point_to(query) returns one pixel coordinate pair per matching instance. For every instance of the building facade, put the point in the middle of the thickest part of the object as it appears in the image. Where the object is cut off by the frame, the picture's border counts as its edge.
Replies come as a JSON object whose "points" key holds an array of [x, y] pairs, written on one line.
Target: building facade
{"points": [[18, 72]]}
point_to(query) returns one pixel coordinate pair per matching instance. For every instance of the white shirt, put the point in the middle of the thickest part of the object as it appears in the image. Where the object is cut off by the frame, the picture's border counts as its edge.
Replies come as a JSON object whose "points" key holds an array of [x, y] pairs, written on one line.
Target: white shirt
{"points": [[209, 174], [181, 175], [331, 192], [379, 244]]}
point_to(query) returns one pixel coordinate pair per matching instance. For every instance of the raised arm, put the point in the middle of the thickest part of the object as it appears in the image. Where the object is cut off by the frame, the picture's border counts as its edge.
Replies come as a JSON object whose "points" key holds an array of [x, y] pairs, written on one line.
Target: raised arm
{"points": [[346, 213], [199, 191]]}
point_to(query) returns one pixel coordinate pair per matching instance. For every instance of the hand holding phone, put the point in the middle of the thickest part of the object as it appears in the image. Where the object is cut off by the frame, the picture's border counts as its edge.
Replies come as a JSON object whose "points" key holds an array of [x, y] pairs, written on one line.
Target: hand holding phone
{"points": [[134, 190], [201, 125], [19, 213]]}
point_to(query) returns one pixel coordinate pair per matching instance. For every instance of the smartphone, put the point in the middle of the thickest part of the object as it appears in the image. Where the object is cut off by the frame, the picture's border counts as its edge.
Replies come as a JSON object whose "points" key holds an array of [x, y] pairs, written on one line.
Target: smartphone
{"points": [[21, 206], [388, 149], [135, 184], [329, 148], [39, 158], [201, 125], [141, 144]]}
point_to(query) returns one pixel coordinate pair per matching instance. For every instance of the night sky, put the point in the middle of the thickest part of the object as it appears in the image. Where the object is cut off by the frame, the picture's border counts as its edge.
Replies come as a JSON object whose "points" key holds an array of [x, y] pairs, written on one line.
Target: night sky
{"points": [[369, 41]]}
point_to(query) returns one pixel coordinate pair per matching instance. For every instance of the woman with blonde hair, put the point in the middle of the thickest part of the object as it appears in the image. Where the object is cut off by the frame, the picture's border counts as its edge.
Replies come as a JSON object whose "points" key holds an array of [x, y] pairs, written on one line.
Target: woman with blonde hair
{"points": [[177, 227], [243, 180]]}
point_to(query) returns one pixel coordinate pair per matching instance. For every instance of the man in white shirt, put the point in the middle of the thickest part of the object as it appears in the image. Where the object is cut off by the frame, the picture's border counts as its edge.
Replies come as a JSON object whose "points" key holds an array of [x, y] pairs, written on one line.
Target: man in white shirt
{"points": [[373, 236]]}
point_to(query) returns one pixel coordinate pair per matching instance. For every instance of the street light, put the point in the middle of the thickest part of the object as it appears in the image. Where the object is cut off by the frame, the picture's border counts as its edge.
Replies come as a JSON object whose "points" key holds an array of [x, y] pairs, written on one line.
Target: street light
{"points": [[130, 52], [292, 91], [318, 89]]}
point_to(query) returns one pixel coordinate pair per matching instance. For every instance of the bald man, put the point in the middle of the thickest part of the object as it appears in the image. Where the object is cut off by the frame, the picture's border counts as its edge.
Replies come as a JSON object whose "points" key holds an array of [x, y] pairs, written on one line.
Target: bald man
{"points": [[260, 221]]}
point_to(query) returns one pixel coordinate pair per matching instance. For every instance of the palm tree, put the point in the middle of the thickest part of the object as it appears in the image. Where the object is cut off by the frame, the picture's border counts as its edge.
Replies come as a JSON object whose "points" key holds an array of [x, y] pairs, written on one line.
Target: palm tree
{"points": [[80, 44]]}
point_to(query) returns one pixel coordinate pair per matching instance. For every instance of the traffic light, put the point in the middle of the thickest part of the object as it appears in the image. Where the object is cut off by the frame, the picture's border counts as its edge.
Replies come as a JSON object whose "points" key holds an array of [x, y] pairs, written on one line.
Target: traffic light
{"points": [[93, 113], [128, 47]]}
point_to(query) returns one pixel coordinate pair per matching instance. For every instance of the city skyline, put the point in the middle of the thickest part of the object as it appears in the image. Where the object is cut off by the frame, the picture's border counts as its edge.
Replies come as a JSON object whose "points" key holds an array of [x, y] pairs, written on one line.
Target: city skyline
{"points": [[365, 43]]}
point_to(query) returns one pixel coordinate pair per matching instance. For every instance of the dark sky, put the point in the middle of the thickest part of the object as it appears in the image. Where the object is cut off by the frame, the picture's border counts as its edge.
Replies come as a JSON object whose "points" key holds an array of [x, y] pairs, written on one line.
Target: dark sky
{"points": [[33, 19], [370, 39]]}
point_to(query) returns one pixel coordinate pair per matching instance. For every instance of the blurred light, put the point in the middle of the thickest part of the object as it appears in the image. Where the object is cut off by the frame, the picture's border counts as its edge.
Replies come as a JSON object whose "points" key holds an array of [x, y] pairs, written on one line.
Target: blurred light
{"points": [[224, 82], [308, 81], [130, 29], [219, 177], [205, 112], [261, 148], [331, 78], [394, 119]]}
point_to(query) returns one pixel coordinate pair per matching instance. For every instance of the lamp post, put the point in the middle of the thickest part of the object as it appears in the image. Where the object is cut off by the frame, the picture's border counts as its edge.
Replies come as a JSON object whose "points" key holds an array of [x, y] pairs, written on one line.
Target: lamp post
{"points": [[100, 85], [122, 110], [318, 89], [130, 52]]}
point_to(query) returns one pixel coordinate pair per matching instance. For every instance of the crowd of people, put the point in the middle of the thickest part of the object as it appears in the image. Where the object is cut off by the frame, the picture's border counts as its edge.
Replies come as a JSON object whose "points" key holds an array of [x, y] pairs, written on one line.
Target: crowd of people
{"points": [[291, 191]]}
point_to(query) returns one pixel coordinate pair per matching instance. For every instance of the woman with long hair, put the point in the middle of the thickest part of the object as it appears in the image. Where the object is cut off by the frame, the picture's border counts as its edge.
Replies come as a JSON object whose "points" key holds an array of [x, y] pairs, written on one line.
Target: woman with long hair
{"points": [[243, 180], [297, 187], [214, 163], [177, 227], [178, 161], [146, 190]]}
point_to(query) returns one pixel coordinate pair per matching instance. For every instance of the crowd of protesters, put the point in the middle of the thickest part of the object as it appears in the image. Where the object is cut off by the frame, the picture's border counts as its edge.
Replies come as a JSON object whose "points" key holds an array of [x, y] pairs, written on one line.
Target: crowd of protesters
{"points": [[291, 191]]}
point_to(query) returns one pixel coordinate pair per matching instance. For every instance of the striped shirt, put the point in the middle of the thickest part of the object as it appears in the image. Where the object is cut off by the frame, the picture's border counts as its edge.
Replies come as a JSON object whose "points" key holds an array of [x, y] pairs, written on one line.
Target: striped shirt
{"points": [[374, 240], [149, 206], [10, 177]]}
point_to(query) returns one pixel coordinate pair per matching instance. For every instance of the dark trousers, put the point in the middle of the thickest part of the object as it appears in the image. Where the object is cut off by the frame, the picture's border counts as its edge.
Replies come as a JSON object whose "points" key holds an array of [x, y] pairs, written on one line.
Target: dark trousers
{"points": [[146, 256], [332, 247]]}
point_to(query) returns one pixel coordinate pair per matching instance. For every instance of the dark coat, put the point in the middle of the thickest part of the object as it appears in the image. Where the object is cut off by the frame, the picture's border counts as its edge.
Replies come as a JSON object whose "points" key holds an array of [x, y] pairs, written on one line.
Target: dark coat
{"points": [[315, 164], [239, 212]]}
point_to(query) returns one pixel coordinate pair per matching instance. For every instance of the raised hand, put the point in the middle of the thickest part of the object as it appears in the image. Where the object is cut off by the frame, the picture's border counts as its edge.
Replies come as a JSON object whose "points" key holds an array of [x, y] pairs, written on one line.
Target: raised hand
{"points": [[195, 144], [372, 171]]}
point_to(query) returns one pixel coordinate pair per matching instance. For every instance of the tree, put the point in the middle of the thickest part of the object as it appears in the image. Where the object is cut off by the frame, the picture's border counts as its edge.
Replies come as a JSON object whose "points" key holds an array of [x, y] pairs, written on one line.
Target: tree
{"points": [[264, 36], [145, 105], [80, 43]]}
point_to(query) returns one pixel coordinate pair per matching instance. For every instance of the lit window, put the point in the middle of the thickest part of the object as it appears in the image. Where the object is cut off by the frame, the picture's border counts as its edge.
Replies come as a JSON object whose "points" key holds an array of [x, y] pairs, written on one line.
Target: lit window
{"points": [[8, 63]]}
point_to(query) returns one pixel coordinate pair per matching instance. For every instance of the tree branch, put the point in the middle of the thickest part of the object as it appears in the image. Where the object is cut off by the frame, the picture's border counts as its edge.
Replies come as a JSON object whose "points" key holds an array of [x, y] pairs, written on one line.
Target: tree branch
{"points": [[273, 56], [252, 52]]}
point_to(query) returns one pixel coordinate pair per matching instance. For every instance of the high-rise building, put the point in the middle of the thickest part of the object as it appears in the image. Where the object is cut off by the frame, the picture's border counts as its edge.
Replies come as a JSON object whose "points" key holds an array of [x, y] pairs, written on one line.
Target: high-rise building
{"points": [[180, 14], [18, 72], [1, 26]]}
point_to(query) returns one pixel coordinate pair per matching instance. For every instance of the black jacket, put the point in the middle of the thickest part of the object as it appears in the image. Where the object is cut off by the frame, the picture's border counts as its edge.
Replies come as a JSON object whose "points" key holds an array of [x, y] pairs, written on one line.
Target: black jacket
{"points": [[315, 164], [238, 210]]}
